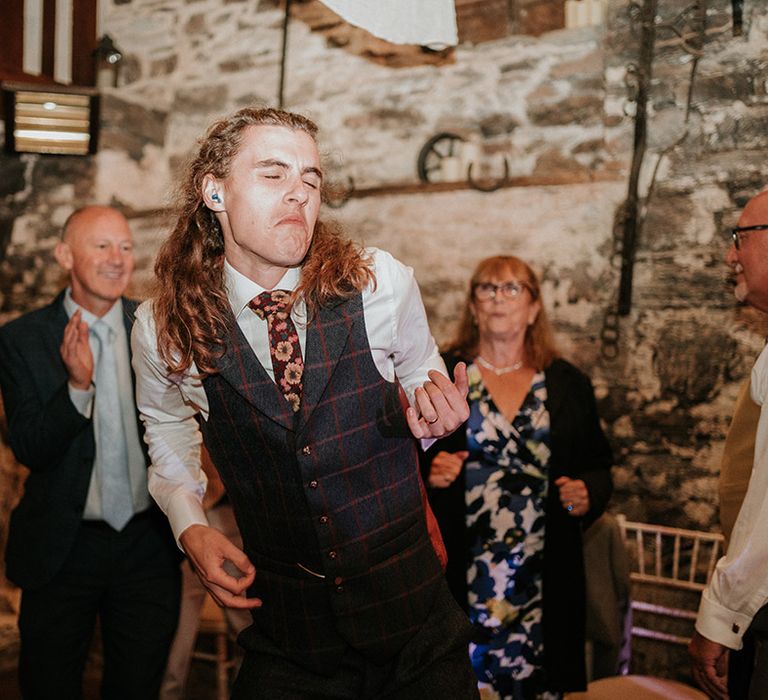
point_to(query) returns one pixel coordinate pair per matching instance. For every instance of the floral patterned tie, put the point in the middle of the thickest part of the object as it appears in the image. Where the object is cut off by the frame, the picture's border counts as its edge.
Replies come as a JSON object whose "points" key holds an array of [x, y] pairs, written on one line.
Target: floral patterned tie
{"points": [[284, 347]]}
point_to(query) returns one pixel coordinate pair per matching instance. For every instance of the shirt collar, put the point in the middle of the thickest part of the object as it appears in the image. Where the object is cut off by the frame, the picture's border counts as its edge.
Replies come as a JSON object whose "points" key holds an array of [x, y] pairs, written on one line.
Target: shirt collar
{"points": [[241, 289], [113, 318]]}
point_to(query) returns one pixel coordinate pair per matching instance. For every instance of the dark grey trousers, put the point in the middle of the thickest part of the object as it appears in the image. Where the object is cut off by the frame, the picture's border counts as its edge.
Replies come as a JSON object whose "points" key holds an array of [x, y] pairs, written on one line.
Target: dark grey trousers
{"points": [[433, 665]]}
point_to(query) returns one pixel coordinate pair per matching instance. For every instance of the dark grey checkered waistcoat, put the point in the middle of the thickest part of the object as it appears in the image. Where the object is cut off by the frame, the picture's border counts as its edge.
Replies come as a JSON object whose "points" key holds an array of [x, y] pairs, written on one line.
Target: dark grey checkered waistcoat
{"points": [[334, 488]]}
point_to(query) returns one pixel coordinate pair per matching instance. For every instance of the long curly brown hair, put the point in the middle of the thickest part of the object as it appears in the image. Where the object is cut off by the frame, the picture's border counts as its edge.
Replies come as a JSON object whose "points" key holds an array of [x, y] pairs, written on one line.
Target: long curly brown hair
{"points": [[191, 309], [540, 348]]}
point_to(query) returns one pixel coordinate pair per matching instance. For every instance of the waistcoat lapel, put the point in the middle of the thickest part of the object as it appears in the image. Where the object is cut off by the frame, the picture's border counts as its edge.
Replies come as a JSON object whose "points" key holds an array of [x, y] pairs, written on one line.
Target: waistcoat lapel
{"points": [[244, 373], [327, 336]]}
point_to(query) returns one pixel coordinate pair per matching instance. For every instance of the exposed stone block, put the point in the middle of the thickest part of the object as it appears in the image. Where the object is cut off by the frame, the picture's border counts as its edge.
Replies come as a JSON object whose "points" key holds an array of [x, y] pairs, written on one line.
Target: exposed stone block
{"points": [[199, 99], [735, 82], [238, 64], [130, 70], [590, 64], [130, 126], [693, 361], [498, 125], [163, 66], [575, 109], [385, 118]]}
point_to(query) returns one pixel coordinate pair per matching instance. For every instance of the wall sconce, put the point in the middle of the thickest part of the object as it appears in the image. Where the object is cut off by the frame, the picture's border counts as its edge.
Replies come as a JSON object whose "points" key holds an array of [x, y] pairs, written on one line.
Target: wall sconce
{"points": [[107, 58], [50, 119]]}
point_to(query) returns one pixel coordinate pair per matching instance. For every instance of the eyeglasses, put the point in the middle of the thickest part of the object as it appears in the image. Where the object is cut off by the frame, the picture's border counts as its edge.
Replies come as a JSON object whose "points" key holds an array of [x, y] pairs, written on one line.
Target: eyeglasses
{"points": [[484, 291], [737, 233]]}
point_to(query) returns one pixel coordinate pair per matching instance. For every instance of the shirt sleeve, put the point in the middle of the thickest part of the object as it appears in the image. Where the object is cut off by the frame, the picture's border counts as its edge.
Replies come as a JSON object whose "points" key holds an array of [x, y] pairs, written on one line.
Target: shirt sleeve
{"points": [[168, 410], [400, 322], [739, 588]]}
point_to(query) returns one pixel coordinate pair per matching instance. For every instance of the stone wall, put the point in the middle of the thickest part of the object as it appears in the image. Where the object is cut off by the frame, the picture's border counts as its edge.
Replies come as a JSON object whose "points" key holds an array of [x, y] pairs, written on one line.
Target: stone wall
{"points": [[558, 107]]}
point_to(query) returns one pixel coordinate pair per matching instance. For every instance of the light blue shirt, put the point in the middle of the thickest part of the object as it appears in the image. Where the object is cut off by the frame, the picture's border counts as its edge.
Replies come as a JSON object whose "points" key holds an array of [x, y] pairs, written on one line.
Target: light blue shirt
{"points": [[83, 401]]}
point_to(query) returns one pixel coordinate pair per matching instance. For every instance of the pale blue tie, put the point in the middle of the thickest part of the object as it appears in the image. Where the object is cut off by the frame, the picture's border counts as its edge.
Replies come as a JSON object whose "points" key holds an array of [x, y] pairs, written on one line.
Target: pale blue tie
{"points": [[111, 448]]}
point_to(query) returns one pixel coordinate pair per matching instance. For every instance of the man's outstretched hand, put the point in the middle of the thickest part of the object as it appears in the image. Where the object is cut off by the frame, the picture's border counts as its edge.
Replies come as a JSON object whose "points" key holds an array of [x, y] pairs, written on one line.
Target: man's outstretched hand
{"points": [[442, 404]]}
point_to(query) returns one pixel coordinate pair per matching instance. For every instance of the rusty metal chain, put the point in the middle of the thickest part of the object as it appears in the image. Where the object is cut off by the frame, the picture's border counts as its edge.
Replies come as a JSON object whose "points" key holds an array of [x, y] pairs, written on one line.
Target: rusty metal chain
{"points": [[689, 26]]}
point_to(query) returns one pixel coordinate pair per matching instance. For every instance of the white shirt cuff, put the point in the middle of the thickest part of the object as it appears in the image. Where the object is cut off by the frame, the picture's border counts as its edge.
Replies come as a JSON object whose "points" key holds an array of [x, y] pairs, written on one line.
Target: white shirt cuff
{"points": [[183, 512], [719, 624], [82, 399]]}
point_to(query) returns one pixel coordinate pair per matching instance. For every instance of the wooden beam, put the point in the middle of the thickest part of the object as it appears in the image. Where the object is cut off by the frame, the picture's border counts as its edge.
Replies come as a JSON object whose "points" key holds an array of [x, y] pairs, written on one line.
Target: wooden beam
{"points": [[553, 180], [408, 188]]}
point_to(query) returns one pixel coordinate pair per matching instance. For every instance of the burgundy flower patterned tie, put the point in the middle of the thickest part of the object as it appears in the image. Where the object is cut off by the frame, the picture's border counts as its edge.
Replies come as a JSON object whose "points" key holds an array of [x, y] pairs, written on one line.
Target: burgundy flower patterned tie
{"points": [[284, 347]]}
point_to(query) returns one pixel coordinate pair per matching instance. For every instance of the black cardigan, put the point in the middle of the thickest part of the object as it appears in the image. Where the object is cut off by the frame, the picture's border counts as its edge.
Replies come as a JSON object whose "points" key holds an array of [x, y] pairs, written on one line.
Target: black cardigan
{"points": [[579, 450]]}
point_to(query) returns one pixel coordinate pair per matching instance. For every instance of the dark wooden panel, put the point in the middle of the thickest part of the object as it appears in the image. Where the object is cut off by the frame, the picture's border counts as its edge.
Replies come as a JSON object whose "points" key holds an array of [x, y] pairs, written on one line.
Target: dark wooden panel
{"points": [[84, 42], [49, 37], [11, 38]]}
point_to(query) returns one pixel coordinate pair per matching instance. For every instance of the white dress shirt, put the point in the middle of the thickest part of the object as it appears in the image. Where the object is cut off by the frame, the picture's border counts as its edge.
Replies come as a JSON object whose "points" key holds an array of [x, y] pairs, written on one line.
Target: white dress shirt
{"points": [[401, 346], [739, 585]]}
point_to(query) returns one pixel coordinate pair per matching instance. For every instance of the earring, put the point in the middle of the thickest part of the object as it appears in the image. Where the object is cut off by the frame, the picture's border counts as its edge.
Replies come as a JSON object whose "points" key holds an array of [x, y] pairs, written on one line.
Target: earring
{"points": [[215, 197]]}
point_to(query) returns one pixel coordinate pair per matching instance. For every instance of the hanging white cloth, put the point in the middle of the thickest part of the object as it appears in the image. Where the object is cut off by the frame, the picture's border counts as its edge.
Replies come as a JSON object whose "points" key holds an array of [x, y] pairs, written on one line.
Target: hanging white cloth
{"points": [[424, 22]]}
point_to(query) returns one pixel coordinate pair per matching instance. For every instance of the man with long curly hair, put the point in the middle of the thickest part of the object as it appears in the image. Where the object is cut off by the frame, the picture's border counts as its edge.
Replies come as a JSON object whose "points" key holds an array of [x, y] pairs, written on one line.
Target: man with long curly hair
{"points": [[287, 348]]}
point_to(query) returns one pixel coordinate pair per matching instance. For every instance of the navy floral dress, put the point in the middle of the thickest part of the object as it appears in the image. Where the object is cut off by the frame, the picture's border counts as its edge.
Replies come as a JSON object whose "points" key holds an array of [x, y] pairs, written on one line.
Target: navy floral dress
{"points": [[506, 490]]}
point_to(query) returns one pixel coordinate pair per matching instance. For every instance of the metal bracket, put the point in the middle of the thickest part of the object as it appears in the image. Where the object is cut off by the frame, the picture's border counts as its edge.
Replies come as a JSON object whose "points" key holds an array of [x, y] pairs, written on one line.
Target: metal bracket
{"points": [[494, 185]]}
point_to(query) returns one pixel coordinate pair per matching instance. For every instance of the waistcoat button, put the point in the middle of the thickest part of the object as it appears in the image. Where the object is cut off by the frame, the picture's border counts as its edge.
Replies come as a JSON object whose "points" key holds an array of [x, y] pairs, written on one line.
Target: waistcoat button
{"points": [[324, 519], [307, 450], [332, 554], [313, 484]]}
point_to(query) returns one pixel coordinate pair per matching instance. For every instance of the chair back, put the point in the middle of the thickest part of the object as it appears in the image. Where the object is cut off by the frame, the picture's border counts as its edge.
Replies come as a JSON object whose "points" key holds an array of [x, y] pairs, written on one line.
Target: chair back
{"points": [[670, 568]]}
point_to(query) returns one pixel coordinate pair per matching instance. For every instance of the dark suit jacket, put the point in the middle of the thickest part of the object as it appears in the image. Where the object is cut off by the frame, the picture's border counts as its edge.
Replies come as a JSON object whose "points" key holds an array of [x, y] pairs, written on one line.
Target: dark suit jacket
{"points": [[50, 437], [579, 450]]}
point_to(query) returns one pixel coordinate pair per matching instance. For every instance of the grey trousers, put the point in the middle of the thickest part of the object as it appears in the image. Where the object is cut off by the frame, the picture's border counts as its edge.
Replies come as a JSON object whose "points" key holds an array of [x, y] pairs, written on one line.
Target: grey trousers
{"points": [[433, 665]]}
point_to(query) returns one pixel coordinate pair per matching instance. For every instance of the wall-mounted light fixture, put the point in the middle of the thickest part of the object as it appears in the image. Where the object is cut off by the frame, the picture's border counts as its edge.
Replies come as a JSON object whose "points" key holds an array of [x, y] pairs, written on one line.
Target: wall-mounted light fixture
{"points": [[107, 59], [50, 119]]}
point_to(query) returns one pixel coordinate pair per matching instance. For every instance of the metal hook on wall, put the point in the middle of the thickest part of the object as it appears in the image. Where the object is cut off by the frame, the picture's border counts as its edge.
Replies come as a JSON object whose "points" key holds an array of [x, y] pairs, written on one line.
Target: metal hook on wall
{"points": [[494, 185]]}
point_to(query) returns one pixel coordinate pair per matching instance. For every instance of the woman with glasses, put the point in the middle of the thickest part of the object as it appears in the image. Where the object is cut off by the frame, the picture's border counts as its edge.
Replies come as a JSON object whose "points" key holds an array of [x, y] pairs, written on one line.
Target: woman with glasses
{"points": [[513, 489]]}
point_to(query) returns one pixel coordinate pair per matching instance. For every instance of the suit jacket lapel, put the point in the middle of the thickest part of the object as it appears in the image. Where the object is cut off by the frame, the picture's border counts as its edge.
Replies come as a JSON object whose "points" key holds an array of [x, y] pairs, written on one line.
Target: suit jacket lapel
{"points": [[58, 321], [129, 312]]}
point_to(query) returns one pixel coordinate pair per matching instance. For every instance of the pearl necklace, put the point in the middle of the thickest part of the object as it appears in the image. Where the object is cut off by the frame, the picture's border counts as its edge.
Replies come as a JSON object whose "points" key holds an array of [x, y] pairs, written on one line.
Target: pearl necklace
{"points": [[498, 371]]}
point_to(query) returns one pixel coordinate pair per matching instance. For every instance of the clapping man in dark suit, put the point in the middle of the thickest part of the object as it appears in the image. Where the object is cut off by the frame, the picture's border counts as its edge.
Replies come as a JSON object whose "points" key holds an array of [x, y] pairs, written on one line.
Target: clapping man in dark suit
{"points": [[84, 541]]}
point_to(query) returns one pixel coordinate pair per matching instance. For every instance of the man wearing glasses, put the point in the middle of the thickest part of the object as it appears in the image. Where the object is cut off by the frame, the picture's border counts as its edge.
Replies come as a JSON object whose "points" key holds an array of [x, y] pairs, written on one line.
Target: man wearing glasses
{"points": [[737, 595]]}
